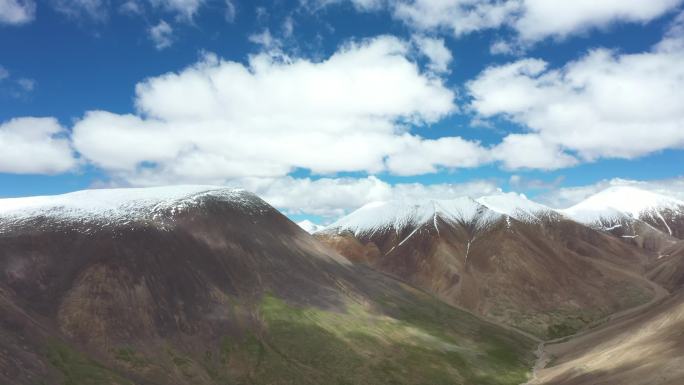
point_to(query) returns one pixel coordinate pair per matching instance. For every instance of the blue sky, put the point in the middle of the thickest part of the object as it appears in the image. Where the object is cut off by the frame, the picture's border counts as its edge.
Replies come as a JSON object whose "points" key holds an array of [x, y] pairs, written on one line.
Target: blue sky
{"points": [[323, 105]]}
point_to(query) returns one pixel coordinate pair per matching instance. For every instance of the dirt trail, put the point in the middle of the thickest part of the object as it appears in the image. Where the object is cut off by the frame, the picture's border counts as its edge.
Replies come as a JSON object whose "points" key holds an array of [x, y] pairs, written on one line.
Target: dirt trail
{"points": [[607, 323]]}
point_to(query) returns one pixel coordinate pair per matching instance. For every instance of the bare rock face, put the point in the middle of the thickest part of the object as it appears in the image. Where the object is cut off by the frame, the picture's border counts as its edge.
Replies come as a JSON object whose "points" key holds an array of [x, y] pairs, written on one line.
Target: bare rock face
{"points": [[504, 257], [199, 285]]}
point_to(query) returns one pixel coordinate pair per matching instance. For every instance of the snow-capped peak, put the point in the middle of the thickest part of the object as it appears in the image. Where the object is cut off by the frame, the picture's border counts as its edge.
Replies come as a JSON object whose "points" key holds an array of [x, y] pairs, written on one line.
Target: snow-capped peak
{"points": [[515, 205], [400, 214], [116, 205], [615, 203], [309, 226]]}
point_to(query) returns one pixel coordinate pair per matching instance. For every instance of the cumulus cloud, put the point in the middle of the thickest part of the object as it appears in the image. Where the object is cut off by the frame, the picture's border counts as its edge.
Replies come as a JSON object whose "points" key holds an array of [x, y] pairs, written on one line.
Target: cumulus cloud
{"points": [[218, 120], [603, 105], [161, 35], [34, 146], [17, 12], [532, 20], [435, 51], [543, 18], [333, 197], [421, 156], [530, 151]]}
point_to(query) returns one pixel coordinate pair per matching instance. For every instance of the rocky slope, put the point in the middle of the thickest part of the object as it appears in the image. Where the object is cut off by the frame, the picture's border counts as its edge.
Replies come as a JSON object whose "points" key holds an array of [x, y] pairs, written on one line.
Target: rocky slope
{"points": [[199, 285], [503, 256]]}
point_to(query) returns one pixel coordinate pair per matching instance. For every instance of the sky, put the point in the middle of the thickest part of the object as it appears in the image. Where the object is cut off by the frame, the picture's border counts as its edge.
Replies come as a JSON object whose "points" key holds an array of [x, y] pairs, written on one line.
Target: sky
{"points": [[321, 106]]}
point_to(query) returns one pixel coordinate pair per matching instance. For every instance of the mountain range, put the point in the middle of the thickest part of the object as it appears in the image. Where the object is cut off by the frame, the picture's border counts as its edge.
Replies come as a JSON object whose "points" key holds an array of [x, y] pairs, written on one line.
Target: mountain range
{"points": [[208, 285]]}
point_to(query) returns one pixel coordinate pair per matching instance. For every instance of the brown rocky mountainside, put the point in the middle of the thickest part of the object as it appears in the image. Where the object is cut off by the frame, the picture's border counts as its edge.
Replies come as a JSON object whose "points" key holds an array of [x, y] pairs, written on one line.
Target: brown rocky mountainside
{"points": [[503, 257], [216, 287]]}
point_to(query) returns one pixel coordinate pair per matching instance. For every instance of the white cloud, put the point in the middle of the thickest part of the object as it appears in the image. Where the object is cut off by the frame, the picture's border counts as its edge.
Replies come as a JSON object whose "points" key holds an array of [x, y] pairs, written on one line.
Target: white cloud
{"points": [[15, 87], [544, 18], [568, 196], [436, 51], [530, 151], [532, 20], [458, 16], [132, 7], [231, 11], [603, 105], [161, 35], [185, 9], [421, 156], [362, 5], [34, 146], [265, 39], [333, 197], [503, 47], [26, 84], [219, 120], [288, 26], [95, 10], [521, 182], [17, 12]]}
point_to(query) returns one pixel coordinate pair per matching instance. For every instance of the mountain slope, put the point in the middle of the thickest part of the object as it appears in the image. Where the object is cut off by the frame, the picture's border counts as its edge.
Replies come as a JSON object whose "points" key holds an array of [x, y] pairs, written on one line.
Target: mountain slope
{"points": [[668, 268], [202, 285], [646, 349], [505, 257]]}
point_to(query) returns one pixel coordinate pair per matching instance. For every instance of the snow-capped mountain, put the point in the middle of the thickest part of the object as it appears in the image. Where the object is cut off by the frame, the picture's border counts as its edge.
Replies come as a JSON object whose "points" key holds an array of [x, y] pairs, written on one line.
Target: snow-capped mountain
{"points": [[503, 256], [117, 206], [220, 275], [477, 213], [309, 226], [620, 206]]}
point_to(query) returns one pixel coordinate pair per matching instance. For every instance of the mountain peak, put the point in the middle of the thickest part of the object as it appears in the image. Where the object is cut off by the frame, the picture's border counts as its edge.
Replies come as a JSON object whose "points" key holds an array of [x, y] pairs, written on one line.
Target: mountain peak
{"points": [[309, 226], [622, 201], [399, 214], [118, 205], [514, 205]]}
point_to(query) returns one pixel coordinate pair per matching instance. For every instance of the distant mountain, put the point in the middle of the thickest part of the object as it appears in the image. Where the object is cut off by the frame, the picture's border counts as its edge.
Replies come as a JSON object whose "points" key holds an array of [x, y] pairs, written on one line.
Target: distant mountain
{"points": [[204, 285], [633, 214], [309, 226], [503, 256]]}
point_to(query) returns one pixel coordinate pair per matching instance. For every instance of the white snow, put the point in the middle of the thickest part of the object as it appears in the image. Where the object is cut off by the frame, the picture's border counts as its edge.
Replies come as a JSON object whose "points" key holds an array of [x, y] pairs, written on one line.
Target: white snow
{"points": [[116, 205], [615, 204], [309, 226], [516, 206], [400, 214]]}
